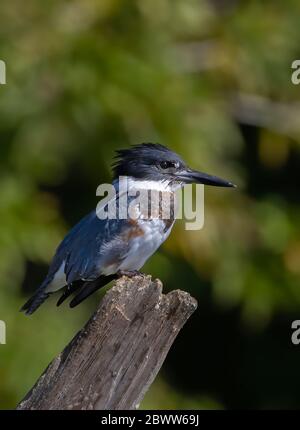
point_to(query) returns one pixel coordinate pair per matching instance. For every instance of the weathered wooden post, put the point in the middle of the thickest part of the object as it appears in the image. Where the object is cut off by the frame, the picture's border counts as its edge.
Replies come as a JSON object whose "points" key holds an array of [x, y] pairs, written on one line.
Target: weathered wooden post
{"points": [[113, 360]]}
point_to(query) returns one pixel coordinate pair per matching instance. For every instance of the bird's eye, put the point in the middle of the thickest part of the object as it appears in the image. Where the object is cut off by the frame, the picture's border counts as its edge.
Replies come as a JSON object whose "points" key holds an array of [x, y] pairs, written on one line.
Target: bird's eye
{"points": [[168, 164]]}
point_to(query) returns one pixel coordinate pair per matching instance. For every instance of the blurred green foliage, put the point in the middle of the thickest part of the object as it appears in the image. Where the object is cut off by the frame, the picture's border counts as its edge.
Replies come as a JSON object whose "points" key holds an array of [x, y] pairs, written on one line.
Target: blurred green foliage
{"points": [[210, 79]]}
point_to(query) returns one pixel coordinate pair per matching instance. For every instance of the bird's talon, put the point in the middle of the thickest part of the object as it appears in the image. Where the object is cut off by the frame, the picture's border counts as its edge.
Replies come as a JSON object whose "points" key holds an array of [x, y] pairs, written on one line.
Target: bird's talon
{"points": [[130, 273]]}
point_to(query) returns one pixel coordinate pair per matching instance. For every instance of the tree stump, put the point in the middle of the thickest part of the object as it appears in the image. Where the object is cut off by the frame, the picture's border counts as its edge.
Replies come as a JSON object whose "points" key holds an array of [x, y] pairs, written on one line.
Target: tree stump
{"points": [[113, 360]]}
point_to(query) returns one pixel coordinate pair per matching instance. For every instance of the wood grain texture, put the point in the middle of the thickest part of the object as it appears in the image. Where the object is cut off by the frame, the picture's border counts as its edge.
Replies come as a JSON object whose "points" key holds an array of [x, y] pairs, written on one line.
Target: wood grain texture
{"points": [[113, 360]]}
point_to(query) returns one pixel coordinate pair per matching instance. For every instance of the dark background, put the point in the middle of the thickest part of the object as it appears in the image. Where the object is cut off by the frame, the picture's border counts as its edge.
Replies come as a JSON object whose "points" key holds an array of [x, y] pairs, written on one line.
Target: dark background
{"points": [[209, 79]]}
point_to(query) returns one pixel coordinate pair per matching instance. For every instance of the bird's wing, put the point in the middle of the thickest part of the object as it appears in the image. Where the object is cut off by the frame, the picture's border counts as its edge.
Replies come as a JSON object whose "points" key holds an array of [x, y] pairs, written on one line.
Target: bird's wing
{"points": [[84, 250], [80, 255], [92, 245]]}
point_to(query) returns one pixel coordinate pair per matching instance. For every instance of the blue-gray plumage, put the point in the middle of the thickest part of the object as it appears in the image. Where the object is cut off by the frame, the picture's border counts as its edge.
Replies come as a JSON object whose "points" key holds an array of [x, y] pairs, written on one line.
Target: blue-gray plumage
{"points": [[97, 250]]}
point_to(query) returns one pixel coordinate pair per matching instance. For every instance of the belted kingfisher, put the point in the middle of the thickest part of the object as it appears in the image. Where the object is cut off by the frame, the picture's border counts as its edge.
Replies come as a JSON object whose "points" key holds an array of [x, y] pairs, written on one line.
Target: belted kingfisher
{"points": [[96, 250]]}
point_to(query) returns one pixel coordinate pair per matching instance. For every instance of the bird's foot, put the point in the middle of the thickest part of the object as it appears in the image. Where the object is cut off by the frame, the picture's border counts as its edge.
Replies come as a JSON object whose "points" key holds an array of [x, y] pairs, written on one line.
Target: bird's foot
{"points": [[130, 273]]}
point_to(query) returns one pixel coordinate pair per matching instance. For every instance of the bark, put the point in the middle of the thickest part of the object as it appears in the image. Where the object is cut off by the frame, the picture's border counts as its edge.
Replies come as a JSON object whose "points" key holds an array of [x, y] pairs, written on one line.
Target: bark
{"points": [[113, 360]]}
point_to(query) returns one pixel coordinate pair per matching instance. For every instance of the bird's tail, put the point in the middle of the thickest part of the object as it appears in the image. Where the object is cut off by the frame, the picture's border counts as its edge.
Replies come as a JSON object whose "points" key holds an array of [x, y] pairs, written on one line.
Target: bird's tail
{"points": [[35, 301], [90, 287], [86, 288]]}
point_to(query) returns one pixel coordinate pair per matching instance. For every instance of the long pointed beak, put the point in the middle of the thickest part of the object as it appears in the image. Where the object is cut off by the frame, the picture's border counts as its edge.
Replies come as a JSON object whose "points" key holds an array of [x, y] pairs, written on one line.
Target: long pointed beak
{"points": [[190, 176]]}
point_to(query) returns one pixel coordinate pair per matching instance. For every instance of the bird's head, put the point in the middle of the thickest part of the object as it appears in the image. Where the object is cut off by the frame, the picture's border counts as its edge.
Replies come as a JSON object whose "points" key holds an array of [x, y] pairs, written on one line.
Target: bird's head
{"points": [[155, 162]]}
